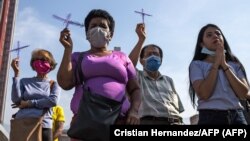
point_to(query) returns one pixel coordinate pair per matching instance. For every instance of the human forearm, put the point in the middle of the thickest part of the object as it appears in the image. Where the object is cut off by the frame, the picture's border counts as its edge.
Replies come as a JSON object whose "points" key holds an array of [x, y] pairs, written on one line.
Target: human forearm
{"points": [[57, 133], [59, 129], [133, 115], [65, 72], [206, 87], [49, 101], [140, 31], [135, 100], [15, 92], [240, 87], [134, 54], [134, 92]]}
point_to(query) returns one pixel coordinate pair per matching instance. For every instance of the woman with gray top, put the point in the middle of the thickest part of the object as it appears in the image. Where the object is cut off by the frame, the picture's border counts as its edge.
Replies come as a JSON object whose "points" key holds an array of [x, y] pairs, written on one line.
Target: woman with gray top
{"points": [[33, 95], [217, 79]]}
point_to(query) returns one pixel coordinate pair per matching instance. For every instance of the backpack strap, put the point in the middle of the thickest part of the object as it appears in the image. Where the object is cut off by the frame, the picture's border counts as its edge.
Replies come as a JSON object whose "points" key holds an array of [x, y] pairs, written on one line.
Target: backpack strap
{"points": [[51, 83], [78, 70]]}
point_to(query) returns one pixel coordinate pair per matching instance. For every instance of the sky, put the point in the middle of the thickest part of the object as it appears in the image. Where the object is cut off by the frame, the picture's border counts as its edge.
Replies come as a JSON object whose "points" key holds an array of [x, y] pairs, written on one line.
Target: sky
{"points": [[174, 26]]}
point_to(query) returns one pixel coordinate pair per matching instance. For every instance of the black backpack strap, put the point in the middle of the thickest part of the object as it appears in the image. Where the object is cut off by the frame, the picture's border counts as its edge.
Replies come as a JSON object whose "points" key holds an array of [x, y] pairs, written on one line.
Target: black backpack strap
{"points": [[78, 71]]}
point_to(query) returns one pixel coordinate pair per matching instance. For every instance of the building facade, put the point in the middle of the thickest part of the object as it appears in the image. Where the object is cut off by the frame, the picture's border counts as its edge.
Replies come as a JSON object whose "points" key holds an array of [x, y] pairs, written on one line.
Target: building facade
{"points": [[8, 10], [7, 24]]}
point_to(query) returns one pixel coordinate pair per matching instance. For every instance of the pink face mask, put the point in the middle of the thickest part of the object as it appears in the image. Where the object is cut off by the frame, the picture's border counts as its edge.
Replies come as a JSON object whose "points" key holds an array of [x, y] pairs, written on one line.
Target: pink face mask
{"points": [[41, 67]]}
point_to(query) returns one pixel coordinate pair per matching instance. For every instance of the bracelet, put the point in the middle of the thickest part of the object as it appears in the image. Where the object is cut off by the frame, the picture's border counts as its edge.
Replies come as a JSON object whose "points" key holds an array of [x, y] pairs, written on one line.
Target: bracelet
{"points": [[226, 69]]}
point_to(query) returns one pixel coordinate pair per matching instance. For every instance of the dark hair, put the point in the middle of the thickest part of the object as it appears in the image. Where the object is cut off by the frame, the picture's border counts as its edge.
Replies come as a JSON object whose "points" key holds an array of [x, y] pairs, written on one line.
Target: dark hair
{"points": [[50, 58], [200, 56], [153, 45], [100, 13]]}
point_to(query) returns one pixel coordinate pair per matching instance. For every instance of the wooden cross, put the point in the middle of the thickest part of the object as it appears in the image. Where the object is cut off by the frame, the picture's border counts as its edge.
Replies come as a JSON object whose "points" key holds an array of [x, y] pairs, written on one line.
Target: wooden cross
{"points": [[18, 48], [67, 20], [142, 14]]}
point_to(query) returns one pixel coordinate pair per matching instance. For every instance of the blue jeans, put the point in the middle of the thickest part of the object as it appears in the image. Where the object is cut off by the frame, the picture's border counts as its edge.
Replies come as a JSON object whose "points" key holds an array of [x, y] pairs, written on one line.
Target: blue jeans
{"points": [[222, 117]]}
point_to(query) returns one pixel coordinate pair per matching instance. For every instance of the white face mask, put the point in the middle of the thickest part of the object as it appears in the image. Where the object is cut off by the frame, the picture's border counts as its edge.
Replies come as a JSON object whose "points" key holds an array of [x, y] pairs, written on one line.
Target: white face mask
{"points": [[209, 52], [98, 37]]}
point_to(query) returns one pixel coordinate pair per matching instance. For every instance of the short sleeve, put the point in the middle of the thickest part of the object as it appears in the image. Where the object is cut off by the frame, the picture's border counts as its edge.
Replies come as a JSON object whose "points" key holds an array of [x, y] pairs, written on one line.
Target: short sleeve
{"points": [[195, 71], [60, 116]]}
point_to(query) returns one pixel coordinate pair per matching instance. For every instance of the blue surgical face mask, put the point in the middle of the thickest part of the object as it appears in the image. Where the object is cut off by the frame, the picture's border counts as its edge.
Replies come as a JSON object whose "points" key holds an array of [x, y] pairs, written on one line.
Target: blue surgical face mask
{"points": [[152, 63]]}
